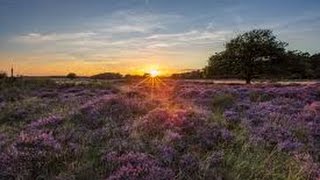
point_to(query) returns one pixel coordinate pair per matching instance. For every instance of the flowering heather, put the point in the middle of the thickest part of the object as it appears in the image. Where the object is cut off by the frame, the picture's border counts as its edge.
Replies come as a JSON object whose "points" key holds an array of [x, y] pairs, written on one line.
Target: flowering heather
{"points": [[180, 130], [48, 121], [30, 154], [136, 166]]}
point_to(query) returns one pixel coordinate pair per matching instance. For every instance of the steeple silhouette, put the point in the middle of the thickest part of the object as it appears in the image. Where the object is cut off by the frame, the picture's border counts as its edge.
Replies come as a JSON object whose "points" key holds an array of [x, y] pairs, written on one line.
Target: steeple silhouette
{"points": [[11, 71]]}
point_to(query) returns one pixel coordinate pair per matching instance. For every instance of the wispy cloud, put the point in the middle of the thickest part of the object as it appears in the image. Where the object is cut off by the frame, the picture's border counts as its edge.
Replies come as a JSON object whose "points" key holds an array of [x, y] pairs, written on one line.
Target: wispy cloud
{"points": [[111, 37], [41, 37], [133, 22], [191, 36]]}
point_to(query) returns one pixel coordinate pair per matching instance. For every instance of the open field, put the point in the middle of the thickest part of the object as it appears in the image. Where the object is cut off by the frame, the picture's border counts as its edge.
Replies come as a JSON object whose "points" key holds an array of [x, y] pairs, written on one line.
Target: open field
{"points": [[160, 129]]}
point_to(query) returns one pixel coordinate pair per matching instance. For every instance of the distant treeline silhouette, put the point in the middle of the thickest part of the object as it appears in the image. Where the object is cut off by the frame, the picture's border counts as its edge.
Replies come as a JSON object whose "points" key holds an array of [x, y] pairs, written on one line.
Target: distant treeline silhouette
{"points": [[107, 75], [195, 74]]}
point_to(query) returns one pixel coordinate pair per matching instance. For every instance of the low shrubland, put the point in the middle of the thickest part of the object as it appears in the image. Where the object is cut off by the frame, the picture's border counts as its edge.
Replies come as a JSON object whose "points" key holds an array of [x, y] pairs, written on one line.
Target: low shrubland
{"points": [[120, 131]]}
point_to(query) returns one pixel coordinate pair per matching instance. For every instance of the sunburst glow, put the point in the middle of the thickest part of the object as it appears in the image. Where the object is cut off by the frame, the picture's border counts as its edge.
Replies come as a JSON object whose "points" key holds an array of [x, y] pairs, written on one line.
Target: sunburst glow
{"points": [[154, 73]]}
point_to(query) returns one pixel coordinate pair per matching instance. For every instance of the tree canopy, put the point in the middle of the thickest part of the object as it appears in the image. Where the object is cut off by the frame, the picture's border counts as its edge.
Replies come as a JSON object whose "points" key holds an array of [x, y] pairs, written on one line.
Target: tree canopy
{"points": [[107, 75], [71, 75], [259, 54]]}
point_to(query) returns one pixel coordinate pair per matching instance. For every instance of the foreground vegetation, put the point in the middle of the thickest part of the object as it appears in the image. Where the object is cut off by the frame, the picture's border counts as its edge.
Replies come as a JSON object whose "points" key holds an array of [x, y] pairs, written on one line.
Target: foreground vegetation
{"points": [[173, 131]]}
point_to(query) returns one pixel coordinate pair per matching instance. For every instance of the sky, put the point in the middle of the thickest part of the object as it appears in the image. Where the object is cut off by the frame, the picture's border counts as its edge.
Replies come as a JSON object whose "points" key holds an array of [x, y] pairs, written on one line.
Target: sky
{"points": [[55, 37]]}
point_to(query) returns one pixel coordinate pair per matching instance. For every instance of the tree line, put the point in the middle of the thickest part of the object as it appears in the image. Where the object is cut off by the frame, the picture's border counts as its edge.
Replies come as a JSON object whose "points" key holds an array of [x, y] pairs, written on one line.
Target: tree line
{"points": [[258, 54]]}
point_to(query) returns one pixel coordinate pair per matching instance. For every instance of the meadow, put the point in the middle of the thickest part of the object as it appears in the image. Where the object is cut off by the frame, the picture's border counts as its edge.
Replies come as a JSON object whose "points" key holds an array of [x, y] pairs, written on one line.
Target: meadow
{"points": [[164, 129]]}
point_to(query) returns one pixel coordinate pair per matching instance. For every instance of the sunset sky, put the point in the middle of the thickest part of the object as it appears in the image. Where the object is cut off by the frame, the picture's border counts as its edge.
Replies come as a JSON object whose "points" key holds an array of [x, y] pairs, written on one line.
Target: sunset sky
{"points": [[54, 37]]}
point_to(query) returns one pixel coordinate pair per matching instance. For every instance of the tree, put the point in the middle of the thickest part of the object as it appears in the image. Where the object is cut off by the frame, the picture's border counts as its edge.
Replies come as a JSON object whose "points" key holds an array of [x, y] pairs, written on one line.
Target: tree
{"points": [[315, 64], [3, 74], [145, 75], [195, 74], [72, 76], [107, 75], [297, 65], [248, 55], [220, 67]]}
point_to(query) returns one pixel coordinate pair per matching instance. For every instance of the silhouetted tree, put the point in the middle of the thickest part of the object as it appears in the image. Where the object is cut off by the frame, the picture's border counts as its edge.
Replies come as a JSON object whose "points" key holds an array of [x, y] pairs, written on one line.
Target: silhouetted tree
{"points": [[315, 65], [247, 54], [196, 74], [297, 65], [220, 67], [107, 75], [146, 75], [71, 75], [3, 74]]}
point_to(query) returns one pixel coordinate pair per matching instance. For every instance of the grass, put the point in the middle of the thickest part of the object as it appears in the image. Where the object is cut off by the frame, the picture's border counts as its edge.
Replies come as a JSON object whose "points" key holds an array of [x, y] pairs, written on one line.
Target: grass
{"points": [[259, 97], [221, 102], [244, 160]]}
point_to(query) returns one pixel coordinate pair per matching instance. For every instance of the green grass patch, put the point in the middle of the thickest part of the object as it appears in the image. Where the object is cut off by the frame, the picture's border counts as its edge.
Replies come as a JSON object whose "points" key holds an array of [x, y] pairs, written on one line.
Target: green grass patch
{"points": [[244, 160], [259, 97], [221, 102]]}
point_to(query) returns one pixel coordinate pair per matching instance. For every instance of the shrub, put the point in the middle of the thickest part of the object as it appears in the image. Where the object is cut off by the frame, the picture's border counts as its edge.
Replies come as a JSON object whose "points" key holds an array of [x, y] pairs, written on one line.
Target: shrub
{"points": [[32, 155], [136, 166], [256, 96], [222, 101]]}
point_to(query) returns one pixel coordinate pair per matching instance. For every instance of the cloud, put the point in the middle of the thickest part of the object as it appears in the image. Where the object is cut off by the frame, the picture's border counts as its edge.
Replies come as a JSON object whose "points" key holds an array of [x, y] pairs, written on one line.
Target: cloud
{"points": [[191, 37], [122, 36], [41, 37], [133, 22]]}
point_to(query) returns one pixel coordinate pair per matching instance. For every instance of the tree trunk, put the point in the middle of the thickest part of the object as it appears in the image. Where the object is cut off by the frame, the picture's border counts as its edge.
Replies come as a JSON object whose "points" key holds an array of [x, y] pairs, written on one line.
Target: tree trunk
{"points": [[248, 78]]}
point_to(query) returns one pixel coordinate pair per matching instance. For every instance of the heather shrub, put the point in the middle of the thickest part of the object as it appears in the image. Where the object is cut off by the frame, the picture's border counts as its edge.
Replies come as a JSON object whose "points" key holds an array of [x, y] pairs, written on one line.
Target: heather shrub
{"points": [[32, 155], [79, 130], [134, 94], [48, 122], [134, 166], [99, 85], [116, 109], [153, 124], [232, 117], [189, 166], [257, 96], [22, 112], [212, 137], [122, 109], [165, 123]]}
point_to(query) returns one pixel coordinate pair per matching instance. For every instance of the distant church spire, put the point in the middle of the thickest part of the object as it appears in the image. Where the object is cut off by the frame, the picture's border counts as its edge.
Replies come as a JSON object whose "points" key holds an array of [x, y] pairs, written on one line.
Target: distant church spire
{"points": [[12, 71]]}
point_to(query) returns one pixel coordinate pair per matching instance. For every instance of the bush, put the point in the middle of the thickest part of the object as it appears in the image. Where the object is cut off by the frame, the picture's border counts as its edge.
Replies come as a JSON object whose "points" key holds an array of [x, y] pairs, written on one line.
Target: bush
{"points": [[222, 102], [259, 97], [136, 166]]}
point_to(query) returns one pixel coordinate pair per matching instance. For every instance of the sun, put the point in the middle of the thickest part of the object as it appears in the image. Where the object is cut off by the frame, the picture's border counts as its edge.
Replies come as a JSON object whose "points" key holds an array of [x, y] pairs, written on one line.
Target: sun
{"points": [[154, 73]]}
